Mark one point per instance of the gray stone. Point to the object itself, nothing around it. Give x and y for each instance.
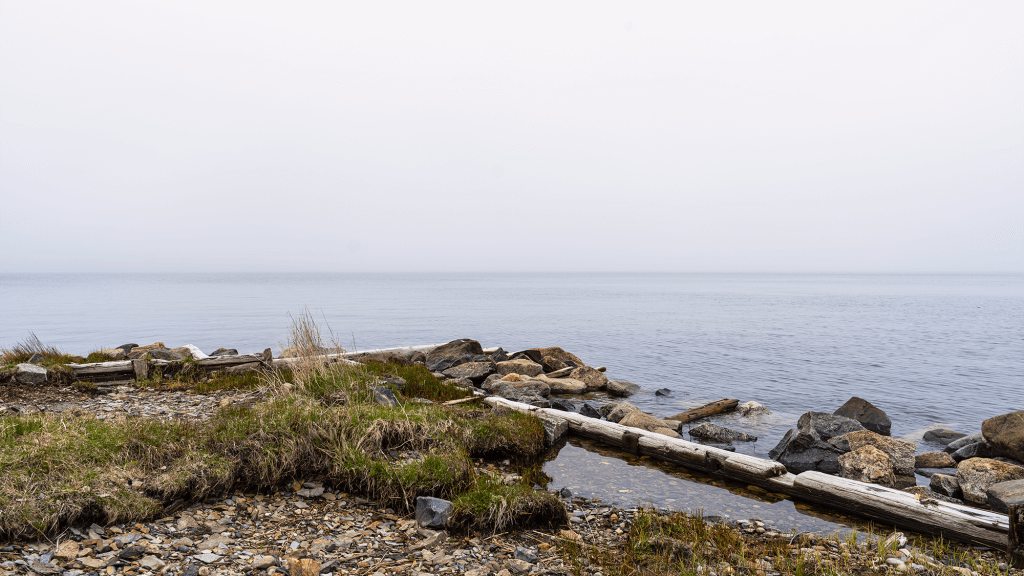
(715, 433)
(525, 555)
(621, 388)
(589, 411)
(591, 377)
(946, 484)
(554, 428)
(942, 436)
(808, 448)
(460, 382)
(454, 353)
(519, 390)
(30, 374)
(432, 512)
(965, 441)
(384, 396)
(395, 382)
(926, 493)
(620, 410)
(44, 569)
(975, 450)
(523, 367)
(35, 358)
(498, 355)
(224, 352)
(826, 425)
(475, 371)
(929, 472)
(867, 414)
(1005, 433)
(491, 384)
(934, 460)
(1005, 494)
(977, 475)
(207, 558)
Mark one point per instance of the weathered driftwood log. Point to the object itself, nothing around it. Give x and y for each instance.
(1015, 536)
(891, 506)
(709, 409)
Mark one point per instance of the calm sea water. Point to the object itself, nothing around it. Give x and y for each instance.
(929, 350)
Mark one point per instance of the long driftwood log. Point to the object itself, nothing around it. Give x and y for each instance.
(893, 507)
(709, 409)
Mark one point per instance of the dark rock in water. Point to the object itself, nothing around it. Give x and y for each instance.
(942, 436)
(224, 352)
(662, 392)
(1006, 434)
(946, 484)
(35, 359)
(384, 396)
(531, 355)
(977, 475)
(867, 414)
(127, 347)
(589, 411)
(934, 460)
(454, 353)
(965, 441)
(976, 450)
(807, 447)
(715, 433)
(621, 388)
(1005, 494)
(926, 493)
(563, 405)
(433, 512)
(826, 425)
(475, 371)
(499, 355)
(565, 493)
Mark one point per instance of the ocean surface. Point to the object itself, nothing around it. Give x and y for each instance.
(930, 350)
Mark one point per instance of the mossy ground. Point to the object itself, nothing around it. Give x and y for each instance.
(60, 470)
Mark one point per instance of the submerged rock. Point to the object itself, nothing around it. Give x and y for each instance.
(867, 414)
(621, 388)
(942, 436)
(716, 433)
(752, 408)
(977, 475)
(1006, 434)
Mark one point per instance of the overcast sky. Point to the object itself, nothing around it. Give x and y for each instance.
(577, 136)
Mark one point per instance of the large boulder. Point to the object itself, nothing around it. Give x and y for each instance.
(475, 371)
(867, 414)
(901, 453)
(808, 448)
(563, 385)
(621, 388)
(964, 441)
(519, 391)
(620, 410)
(454, 353)
(638, 419)
(591, 377)
(1005, 494)
(934, 460)
(867, 464)
(556, 353)
(715, 433)
(942, 436)
(520, 366)
(977, 475)
(1006, 434)
(26, 373)
(946, 485)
